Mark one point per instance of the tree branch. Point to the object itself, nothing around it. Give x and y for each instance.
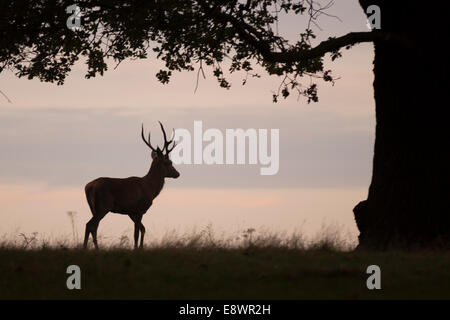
(251, 36)
(330, 45)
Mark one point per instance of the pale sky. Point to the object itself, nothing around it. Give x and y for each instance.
(55, 139)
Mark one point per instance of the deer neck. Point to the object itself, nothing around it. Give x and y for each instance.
(155, 178)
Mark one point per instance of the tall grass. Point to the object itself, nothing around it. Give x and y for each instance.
(328, 238)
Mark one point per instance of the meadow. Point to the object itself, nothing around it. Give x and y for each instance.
(200, 266)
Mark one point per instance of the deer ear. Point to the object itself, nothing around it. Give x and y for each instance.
(154, 154)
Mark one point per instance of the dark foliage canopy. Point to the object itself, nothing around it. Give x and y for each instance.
(186, 35)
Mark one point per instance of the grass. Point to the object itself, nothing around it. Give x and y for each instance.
(202, 267)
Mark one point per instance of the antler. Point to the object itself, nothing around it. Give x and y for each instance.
(147, 142)
(174, 144)
(167, 143)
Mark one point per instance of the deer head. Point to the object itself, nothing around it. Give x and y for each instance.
(161, 161)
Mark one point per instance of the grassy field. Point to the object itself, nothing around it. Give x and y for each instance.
(211, 272)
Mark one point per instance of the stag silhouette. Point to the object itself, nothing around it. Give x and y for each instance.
(132, 196)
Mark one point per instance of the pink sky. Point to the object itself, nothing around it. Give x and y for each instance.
(34, 208)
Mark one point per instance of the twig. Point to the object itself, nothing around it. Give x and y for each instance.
(5, 96)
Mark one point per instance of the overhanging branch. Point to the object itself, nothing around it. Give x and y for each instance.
(249, 34)
(330, 45)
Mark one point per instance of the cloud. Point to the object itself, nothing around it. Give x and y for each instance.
(71, 146)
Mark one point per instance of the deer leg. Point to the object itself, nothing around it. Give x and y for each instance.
(98, 212)
(138, 227)
(87, 232)
(136, 233)
(93, 227)
(94, 232)
(142, 234)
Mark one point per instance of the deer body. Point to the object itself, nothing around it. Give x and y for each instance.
(109, 192)
(131, 196)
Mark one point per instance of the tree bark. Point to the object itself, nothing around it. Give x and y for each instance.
(408, 202)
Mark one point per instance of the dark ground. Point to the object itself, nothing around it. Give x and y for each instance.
(217, 273)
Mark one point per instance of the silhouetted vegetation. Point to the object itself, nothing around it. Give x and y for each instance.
(195, 270)
(201, 265)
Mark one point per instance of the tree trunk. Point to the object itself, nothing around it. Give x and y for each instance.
(409, 197)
